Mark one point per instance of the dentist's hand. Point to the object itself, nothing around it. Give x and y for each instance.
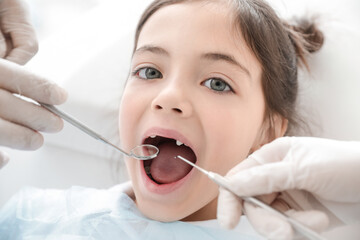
(20, 120)
(18, 41)
(328, 169)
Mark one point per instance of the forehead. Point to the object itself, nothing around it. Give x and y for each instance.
(190, 20)
(196, 27)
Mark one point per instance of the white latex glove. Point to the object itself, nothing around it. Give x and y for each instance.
(21, 120)
(326, 170)
(18, 41)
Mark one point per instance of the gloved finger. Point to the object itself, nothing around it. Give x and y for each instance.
(316, 220)
(16, 79)
(19, 137)
(267, 224)
(3, 45)
(4, 159)
(268, 198)
(260, 219)
(16, 24)
(272, 153)
(280, 205)
(229, 209)
(269, 153)
(24, 48)
(28, 114)
(264, 179)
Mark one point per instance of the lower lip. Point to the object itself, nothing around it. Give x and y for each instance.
(162, 188)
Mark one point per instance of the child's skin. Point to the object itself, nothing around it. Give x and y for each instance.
(189, 45)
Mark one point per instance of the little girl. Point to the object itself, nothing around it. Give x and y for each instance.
(211, 81)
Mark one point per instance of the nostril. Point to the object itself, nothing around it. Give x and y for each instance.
(158, 107)
(165, 108)
(178, 110)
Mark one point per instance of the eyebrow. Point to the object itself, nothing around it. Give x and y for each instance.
(153, 49)
(227, 58)
(214, 56)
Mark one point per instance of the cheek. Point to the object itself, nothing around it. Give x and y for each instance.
(231, 133)
(129, 112)
(128, 116)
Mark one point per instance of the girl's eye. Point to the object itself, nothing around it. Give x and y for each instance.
(217, 85)
(148, 73)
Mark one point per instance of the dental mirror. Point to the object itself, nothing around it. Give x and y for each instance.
(141, 152)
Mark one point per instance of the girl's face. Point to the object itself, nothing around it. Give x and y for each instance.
(193, 80)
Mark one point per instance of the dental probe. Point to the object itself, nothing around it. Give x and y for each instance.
(223, 182)
(141, 152)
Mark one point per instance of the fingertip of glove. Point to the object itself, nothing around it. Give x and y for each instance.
(33, 141)
(53, 125)
(229, 209)
(276, 229)
(227, 221)
(224, 223)
(53, 94)
(267, 224)
(60, 95)
(313, 219)
(48, 92)
(64, 94)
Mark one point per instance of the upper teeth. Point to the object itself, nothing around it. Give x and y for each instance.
(177, 141)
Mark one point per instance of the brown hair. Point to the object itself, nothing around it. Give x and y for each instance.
(279, 46)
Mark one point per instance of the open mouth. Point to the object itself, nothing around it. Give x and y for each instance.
(166, 168)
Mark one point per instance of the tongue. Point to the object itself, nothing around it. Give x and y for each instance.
(166, 168)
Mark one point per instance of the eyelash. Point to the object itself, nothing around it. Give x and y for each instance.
(230, 90)
(135, 73)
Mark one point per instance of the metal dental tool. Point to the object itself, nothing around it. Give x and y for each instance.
(141, 152)
(223, 182)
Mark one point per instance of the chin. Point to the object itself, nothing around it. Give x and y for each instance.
(162, 212)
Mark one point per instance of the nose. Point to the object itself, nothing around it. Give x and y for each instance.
(172, 99)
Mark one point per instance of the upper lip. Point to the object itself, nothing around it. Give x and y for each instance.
(168, 133)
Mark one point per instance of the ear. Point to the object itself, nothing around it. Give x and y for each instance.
(278, 126)
(273, 127)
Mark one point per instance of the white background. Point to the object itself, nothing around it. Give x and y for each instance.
(85, 46)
